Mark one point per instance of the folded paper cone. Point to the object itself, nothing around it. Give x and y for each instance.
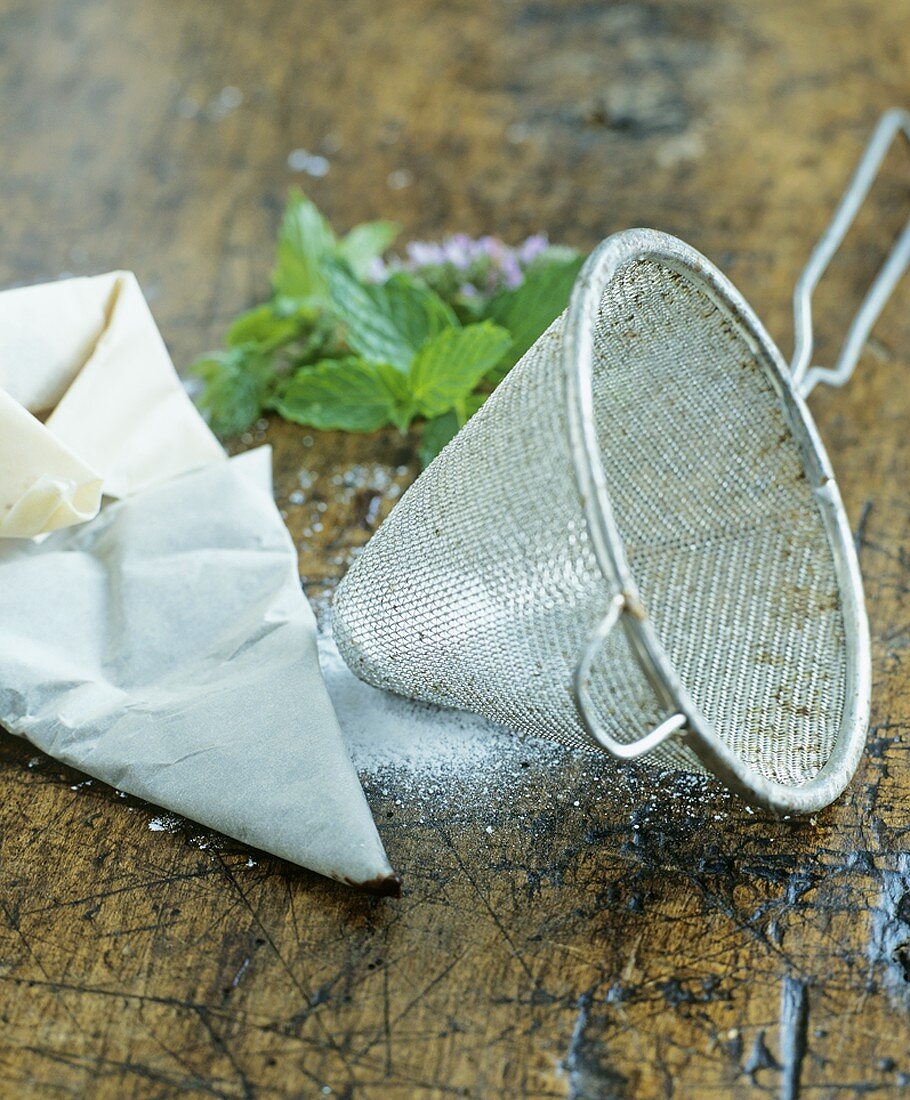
(165, 645)
(88, 352)
(166, 648)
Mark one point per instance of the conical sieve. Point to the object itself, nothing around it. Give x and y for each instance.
(638, 539)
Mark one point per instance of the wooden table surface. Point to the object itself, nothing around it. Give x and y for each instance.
(640, 944)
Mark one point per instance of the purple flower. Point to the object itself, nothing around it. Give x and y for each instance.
(378, 270)
(472, 267)
(532, 247)
(425, 254)
(493, 248)
(511, 272)
(459, 250)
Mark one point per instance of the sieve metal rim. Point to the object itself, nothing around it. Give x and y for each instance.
(686, 721)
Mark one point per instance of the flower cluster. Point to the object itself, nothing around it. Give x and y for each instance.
(466, 270)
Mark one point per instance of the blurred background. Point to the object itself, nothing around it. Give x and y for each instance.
(163, 137)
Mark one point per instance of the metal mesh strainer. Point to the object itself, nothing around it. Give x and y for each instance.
(649, 463)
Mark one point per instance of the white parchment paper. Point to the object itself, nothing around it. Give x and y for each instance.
(167, 649)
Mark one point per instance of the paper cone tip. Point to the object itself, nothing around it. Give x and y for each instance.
(382, 886)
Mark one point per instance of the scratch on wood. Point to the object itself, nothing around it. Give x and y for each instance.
(794, 1030)
(759, 1057)
(889, 938)
(572, 1060)
(859, 535)
(587, 1061)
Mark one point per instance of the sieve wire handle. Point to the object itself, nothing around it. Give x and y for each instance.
(805, 377)
(581, 686)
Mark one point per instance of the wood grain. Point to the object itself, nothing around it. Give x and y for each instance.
(644, 943)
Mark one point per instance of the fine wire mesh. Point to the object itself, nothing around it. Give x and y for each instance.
(481, 589)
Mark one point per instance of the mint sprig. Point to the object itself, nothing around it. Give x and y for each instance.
(347, 342)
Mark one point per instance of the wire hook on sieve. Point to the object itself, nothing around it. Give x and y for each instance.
(581, 687)
(806, 377)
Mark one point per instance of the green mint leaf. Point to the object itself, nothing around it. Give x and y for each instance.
(530, 309)
(366, 243)
(449, 366)
(389, 322)
(263, 326)
(233, 394)
(466, 408)
(305, 241)
(347, 394)
(437, 433)
(404, 408)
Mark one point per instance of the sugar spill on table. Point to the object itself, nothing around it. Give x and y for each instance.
(422, 746)
(409, 750)
(197, 836)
